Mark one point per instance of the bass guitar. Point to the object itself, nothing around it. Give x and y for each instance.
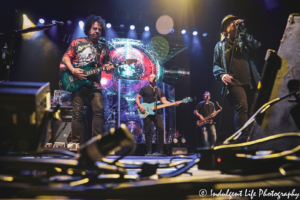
(71, 83)
(150, 107)
(208, 119)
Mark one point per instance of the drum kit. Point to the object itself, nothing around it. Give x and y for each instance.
(128, 115)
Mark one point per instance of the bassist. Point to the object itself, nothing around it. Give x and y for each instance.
(204, 109)
(81, 52)
(148, 93)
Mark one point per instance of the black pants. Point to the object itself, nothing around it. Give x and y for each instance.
(242, 97)
(160, 128)
(95, 96)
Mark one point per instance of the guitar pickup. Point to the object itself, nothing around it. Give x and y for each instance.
(145, 115)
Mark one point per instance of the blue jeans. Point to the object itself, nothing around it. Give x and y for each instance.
(209, 130)
(95, 96)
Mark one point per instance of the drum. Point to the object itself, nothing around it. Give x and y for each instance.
(135, 128)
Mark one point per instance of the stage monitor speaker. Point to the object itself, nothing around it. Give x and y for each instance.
(276, 82)
(64, 132)
(22, 109)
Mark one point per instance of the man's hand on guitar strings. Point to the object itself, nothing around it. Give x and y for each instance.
(79, 73)
(142, 109)
(109, 68)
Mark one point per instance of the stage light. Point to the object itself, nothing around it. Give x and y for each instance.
(132, 27)
(42, 21)
(183, 31)
(103, 81)
(108, 25)
(183, 140)
(175, 140)
(172, 30)
(204, 34)
(146, 28)
(69, 22)
(81, 24)
(53, 21)
(122, 25)
(195, 33)
(100, 146)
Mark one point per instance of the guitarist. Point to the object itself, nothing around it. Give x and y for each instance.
(81, 52)
(148, 93)
(204, 109)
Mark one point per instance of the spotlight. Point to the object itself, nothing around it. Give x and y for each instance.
(122, 25)
(108, 25)
(146, 28)
(103, 81)
(183, 31)
(183, 140)
(100, 146)
(132, 27)
(175, 140)
(81, 24)
(69, 22)
(172, 30)
(204, 34)
(195, 33)
(42, 21)
(53, 21)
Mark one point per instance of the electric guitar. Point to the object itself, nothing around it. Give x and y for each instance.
(71, 83)
(208, 119)
(150, 107)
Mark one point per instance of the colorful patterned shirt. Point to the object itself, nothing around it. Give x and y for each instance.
(82, 51)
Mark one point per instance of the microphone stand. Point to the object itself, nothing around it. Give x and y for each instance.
(228, 72)
(156, 114)
(8, 54)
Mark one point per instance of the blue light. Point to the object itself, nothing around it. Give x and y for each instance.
(195, 33)
(122, 25)
(183, 31)
(108, 25)
(204, 34)
(147, 28)
(172, 30)
(69, 22)
(53, 21)
(42, 21)
(132, 27)
(81, 24)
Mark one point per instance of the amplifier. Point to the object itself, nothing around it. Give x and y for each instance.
(22, 109)
(66, 113)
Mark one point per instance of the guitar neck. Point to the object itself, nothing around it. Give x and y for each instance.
(166, 105)
(100, 69)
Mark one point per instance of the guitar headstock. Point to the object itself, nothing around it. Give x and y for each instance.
(130, 61)
(187, 99)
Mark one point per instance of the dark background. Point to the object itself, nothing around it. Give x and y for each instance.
(38, 60)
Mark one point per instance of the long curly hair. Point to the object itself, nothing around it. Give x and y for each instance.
(90, 21)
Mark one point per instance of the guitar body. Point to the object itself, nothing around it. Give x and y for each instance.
(148, 109)
(72, 83)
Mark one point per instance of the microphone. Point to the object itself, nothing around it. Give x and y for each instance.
(59, 23)
(240, 22)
